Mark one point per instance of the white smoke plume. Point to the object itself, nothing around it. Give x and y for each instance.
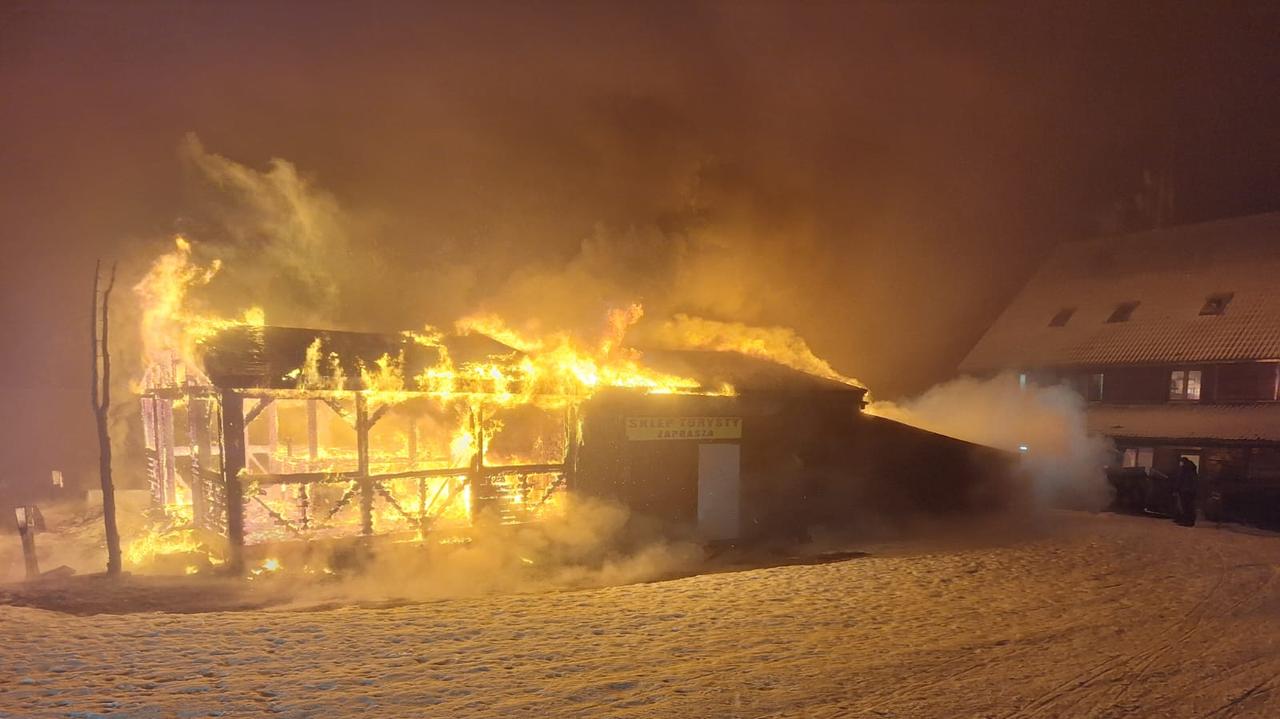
(1046, 425)
(590, 544)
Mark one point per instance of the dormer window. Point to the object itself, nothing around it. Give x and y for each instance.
(1184, 384)
(1063, 317)
(1123, 311)
(1216, 304)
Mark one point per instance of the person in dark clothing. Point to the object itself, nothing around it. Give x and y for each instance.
(1184, 493)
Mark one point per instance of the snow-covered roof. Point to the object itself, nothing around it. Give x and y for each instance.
(1188, 422)
(1171, 274)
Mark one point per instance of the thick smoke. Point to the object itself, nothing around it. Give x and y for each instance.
(284, 243)
(1046, 425)
(590, 544)
(289, 246)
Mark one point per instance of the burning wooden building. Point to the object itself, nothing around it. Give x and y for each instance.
(786, 451)
(277, 434)
(295, 434)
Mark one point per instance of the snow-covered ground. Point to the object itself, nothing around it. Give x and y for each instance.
(1095, 615)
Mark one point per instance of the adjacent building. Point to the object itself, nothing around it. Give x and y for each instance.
(1173, 338)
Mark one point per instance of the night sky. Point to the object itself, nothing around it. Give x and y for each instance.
(881, 177)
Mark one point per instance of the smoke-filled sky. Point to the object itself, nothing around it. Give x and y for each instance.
(881, 177)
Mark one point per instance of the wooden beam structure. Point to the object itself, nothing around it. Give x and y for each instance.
(313, 430)
(200, 456)
(252, 414)
(233, 491)
(233, 464)
(362, 465)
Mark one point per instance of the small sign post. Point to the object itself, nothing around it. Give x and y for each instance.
(27, 530)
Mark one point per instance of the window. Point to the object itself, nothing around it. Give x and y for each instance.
(1184, 384)
(1139, 457)
(1216, 304)
(1063, 317)
(1093, 391)
(1122, 311)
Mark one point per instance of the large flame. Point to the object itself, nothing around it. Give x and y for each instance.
(171, 330)
(542, 373)
(556, 365)
(776, 344)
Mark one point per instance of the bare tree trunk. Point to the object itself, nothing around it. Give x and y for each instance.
(101, 404)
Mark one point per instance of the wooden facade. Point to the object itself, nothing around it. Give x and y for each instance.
(806, 457)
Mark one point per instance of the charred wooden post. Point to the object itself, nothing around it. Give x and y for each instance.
(150, 431)
(362, 465)
(165, 417)
(233, 465)
(198, 434)
(572, 439)
(251, 458)
(304, 506)
(422, 502)
(482, 489)
(313, 430)
(273, 435)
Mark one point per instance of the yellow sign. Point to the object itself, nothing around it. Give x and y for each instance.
(649, 428)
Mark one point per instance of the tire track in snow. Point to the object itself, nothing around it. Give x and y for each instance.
(1099, 698)
(1084, 685)
(1233, 705)
(1192, 622)
(1257, 593)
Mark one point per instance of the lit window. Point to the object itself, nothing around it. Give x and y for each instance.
(1122, 311)
(1139, 457)
(1184, 384)
(1063, 317)
(1216, 304)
